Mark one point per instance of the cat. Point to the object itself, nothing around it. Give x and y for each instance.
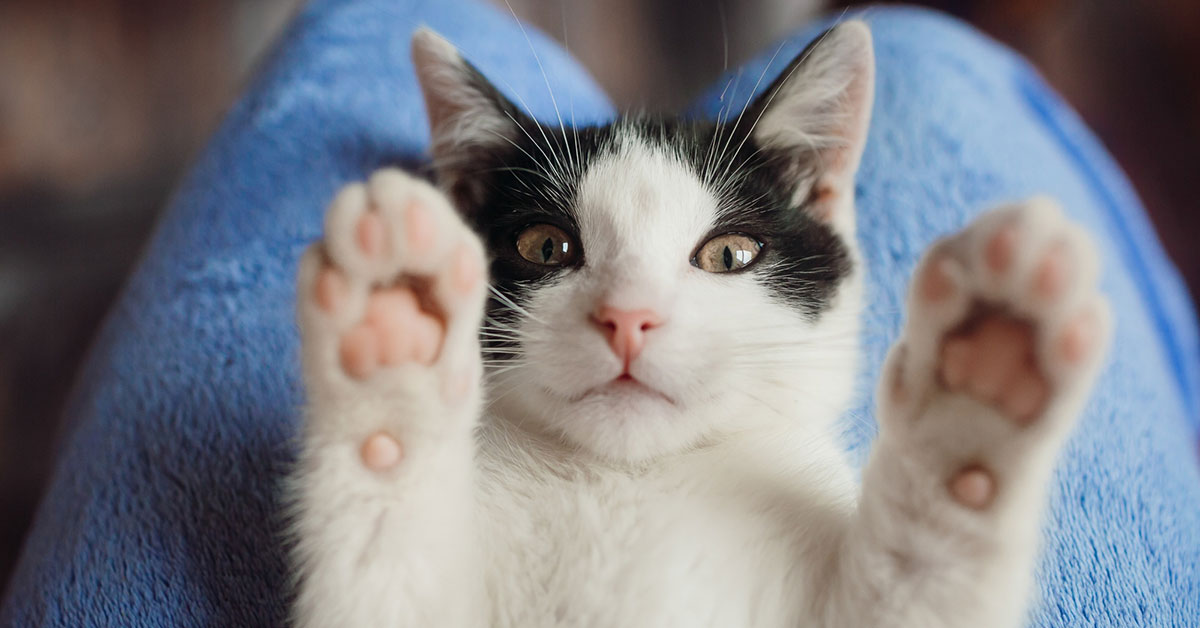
(593, 377)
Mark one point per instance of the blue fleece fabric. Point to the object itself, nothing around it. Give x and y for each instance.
(165, 510)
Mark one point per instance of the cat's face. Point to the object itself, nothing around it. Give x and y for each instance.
(659, 282)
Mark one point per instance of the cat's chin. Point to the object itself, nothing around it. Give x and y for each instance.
(623, 391)
(624, 420)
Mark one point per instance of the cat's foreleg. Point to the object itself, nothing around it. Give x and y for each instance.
(1004, 336)
(390, 304)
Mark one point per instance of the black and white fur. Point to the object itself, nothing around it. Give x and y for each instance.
(533, 492)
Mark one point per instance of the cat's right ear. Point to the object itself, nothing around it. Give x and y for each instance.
(470, 121)
(816, 114)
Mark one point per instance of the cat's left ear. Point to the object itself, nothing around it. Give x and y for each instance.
(472, 125)
(816, 115)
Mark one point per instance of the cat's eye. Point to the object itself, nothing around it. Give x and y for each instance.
(727, 252)
(547, 245)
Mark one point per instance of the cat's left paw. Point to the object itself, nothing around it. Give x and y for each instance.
(1005, 333)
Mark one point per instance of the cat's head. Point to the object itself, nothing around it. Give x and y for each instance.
(662, 282)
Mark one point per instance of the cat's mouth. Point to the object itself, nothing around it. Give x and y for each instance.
(624, 386)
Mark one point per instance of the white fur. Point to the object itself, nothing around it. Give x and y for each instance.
(726, 345)
(730, 505)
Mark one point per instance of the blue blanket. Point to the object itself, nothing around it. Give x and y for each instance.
(164, 508)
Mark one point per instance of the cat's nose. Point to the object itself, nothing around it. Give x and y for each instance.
(625, 329)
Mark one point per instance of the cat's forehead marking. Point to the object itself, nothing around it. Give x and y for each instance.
(642, 191)
(645, 193)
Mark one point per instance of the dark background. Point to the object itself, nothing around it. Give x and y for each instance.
(103, 103)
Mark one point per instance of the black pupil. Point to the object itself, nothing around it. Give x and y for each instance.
(547, 249)
(727, 257)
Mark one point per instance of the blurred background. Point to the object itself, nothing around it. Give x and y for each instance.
(103, 104)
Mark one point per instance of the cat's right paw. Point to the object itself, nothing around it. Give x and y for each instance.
(390, 304)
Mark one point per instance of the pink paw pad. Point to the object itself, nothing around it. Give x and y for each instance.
(956, 362)
(1002, 347)
(1001, 249)
(371, 234)
(973, 487)
(1025, 397)
(360, 351)
(381, 452)
(428, 332)
(405, 332)
(390, 311)
(935, 283)
(1050, 277)
(995, 363)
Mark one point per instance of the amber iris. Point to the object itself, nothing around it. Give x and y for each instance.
(546, 245)
(727, 252)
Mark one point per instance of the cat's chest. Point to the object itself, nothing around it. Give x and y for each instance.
(617, 550)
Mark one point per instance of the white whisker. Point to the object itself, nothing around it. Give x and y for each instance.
(545, 78)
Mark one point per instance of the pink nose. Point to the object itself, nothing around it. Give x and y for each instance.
(625, 329)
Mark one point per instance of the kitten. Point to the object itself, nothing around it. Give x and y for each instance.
(636, 425)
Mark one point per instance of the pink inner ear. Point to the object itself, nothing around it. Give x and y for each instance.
(823, 192)
(820, 201)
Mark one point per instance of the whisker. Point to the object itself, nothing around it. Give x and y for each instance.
(499, 336)
(771, 96)
(508, 302)
(545, 158)
(746, 105)
(546, 80)
(493, 397)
